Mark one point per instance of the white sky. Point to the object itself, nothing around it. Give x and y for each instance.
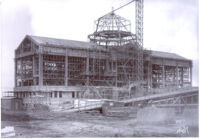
(169, 25)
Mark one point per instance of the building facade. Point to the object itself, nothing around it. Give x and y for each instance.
(49, 65)
(113, 64)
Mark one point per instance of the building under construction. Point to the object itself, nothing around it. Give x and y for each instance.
(112, 65)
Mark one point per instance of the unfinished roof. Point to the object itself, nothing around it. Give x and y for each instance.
(60, 42)
(45, 41)
(160, 54)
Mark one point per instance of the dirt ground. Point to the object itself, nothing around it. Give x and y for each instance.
(95, 125)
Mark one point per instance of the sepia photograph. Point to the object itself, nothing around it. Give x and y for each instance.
(99, 68)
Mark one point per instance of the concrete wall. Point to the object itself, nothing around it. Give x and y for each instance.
(48, 98)
(11, 103)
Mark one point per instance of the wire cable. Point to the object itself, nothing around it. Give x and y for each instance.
(118, 8)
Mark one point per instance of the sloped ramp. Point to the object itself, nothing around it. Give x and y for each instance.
(173, 93)
(83, 104)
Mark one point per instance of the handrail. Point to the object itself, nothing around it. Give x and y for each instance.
(171, 90)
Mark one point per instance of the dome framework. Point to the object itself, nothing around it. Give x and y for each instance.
(112, 30)
(123, 48)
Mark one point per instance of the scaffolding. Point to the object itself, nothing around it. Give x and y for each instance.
(124, 50)
(24, 71)
(118, 60)
(165, 76)
(53, 70)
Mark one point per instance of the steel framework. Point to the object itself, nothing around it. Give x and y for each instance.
(125, 49)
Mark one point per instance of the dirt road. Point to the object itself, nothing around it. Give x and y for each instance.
(94, 125)
(150, 122)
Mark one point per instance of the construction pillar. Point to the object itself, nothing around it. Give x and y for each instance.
(192, 99)
(116, 74)
(66, 69)
(149, 75)
(177, 75)
(33, 65)
(40, 69)
(182, 76)
(107, 68)
(34, 70)
(191, 74)
(87, 70)
(163, 75)
(15, 60)
(93, 65)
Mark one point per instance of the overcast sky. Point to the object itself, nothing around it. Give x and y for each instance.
(169, 25)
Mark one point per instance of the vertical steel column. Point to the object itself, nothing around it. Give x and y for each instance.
(177, 75)
(107, 66)
(182, 76)
(87, 70)
(33, 65)
(149, 75)
(34, 70)
(192, 99)
(191, 74)
(116, 65)
(40, 69)
(15, 60)
(66, 68)
(163, 74)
